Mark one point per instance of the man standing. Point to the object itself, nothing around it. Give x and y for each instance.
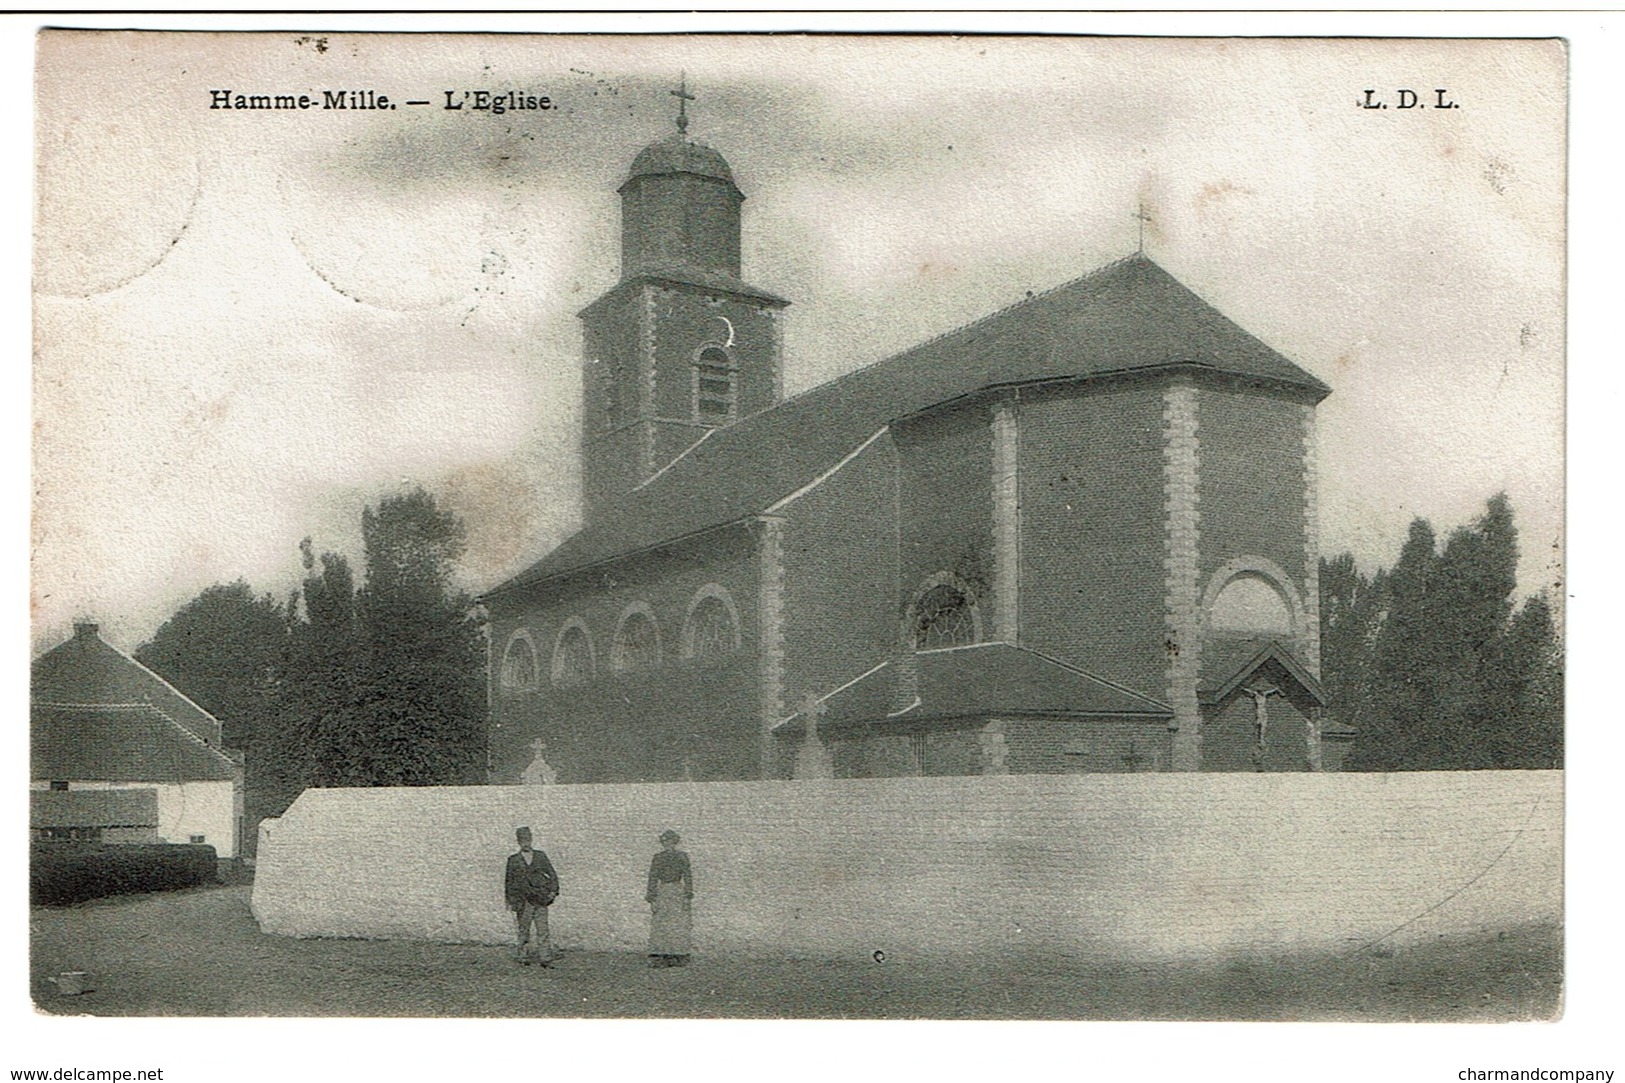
(531, 885)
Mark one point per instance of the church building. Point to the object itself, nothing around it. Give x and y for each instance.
(1075, 535)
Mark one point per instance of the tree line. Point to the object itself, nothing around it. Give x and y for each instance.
(339, 684)
(1430, 662)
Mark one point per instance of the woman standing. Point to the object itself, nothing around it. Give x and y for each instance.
(670, 894)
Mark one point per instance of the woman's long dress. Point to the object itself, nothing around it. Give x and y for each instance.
(670, 886)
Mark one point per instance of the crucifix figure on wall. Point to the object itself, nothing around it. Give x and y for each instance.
(1261, 718)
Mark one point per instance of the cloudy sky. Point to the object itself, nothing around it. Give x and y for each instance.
(251, 324)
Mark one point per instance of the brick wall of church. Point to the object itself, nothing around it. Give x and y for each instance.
(682, 719)
(1025, 746)
(685, 322)
(1068, 746)
(614, 450)
(1251, 481)
(1091, 480)
(1230, 735)
(840, 575)
(945, 504)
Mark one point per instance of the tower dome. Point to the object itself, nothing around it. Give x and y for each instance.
(676, 154)
(680, 211)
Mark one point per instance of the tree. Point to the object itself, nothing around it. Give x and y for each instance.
(324, 683)
(1401, 681)
(413, 710)
(1351, 608)
(1469, 602)
(224, 650)
(1457, 682)
(1526, 692)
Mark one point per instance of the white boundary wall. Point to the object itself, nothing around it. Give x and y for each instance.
(1149, 865)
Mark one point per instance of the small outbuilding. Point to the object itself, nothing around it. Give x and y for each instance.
(118, 754)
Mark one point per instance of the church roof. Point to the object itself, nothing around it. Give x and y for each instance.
(983, 679)
(1130, 316)
(675, 154)
(88, 671)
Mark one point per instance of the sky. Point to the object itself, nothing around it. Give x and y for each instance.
(250, 325)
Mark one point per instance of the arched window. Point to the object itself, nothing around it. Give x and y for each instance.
(572, 654)
(712, 629)
(944, 616)
(637, 642)
(1250, 605)
(715, 385)
(519, 663)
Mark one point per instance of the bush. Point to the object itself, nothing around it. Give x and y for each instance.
(63, 873)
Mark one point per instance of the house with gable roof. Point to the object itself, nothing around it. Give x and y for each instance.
(118, 754)
(1077, 534)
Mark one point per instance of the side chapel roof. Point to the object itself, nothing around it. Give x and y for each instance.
(980, 679)
(1128, 316)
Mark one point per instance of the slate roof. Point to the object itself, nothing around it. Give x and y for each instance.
(93, 808)
(88, 670)
(134, 742)
(1127, 317)
(676, 154)
(987, 678)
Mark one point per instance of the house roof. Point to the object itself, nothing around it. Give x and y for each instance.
(1226, 666)
(93, 808)
(129, 742)
(1130, 316)
(89, 670)
(983, 679)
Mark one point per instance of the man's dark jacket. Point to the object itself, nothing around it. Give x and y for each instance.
(535, 883)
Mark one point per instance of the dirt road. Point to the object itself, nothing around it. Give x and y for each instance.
(199, 952)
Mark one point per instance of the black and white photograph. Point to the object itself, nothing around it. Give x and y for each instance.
(799, 526)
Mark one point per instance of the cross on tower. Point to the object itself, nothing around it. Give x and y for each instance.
(1143, 219)
(683, 98)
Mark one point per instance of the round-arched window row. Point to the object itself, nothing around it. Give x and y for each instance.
(637, 641)
(711, 631)
(573, 661)
(519, 663)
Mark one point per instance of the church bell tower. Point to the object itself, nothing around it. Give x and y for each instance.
(681, 346)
